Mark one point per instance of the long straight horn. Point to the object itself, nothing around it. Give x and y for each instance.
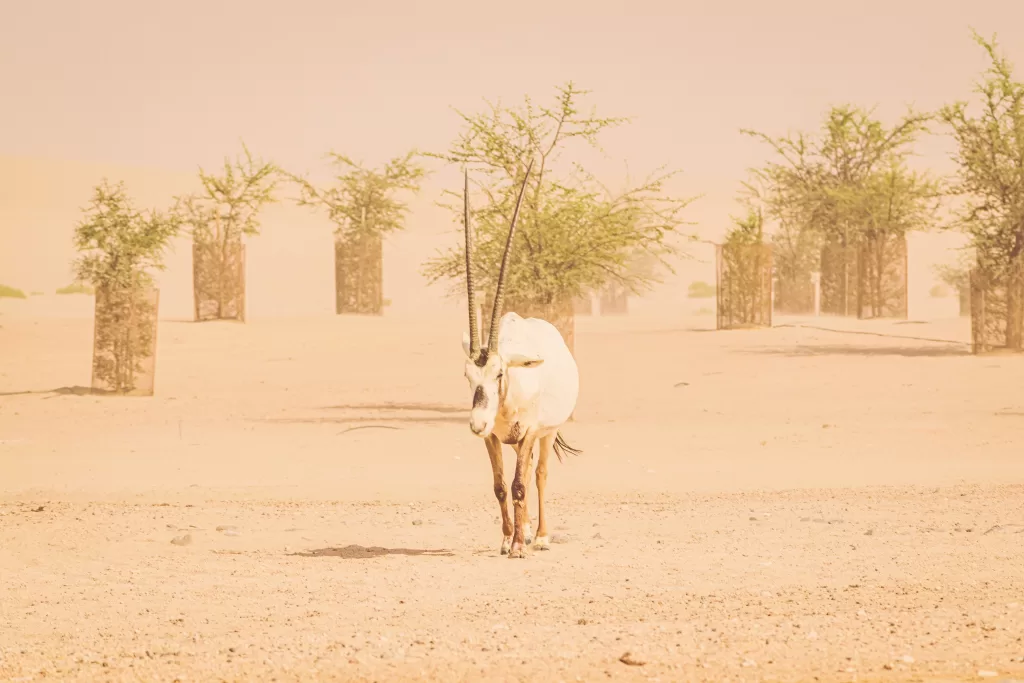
(499, 292)
(474, 329)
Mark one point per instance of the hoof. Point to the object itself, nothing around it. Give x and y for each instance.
(506, 544)
(517, 552)
(542, 543)
(528, 534)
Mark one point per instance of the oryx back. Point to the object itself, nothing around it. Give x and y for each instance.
(551, 388)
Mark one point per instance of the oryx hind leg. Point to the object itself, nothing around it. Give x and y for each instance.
(542, 540)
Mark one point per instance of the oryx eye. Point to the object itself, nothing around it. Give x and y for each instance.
(500, 375)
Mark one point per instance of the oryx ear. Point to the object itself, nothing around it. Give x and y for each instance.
(520, 360)
(465, 343)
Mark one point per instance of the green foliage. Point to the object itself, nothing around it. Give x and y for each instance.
(990, 162)
(76, 288)
(938, 292)
(957, 274)
(230, 204)
(11, 293)
(850, 179)
(747, 230)
(119, 244)
(125, 338)
(573, 235)
(744, 272)
(700, 290)
(363, 201)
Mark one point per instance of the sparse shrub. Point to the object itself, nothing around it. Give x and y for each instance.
(938, 292)
(227, 209)
(700, 290)
(77, 288)
(990, 186)
(364, 206)
(11, 293)
(118, 246)
(574, 235)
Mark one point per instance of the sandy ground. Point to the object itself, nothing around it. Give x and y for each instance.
(790, 504)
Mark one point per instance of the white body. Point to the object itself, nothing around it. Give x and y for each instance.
(541, 397)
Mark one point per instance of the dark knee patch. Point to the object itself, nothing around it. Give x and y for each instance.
(499, 493)
(518, 491)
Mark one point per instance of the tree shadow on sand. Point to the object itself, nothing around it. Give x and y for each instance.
(441, 414)
(59, 391)
(402, 407)
(359, 552)
(809, 350)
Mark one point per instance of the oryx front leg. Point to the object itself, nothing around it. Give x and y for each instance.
(500, 492)
(524, 456)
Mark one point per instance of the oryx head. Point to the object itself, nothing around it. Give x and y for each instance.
(486, 367)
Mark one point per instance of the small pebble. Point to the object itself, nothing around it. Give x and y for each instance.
(560, 538)
(182, 540)
(231, 532)
(417, 522)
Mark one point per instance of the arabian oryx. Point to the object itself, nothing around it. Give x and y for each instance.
(524, 385)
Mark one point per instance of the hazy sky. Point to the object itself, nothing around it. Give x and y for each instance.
(175, 84)
(170, 85)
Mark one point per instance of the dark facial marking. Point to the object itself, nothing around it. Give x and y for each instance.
(518, 490)
(481, 360)
(479, 398)
(499, 493)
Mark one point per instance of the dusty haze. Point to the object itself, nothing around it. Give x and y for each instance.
(301, 499)
(146, 94)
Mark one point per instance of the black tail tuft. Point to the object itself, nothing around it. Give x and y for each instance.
(561, 448)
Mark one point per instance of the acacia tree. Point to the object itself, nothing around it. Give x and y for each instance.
(573, 235)
(217, 218)
(796, 245)
(744, 272)
(990, 181)
(364, 207)
(850, 187)
(119, 246)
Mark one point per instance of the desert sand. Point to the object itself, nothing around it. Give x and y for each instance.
(302, 500)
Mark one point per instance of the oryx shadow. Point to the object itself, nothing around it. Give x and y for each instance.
(359, 552)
